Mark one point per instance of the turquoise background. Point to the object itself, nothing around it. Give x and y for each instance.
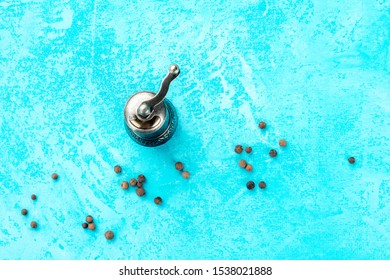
(318, 72)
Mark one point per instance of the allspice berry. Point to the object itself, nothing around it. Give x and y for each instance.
(185, 174)
(238, 149)
(248, 150)
(140, 191)
(84, 225)
(92, 226)
(24, 212)
(249, 167)
(89, 219)
(141, 178)
(109, 235)
(54, 176)
(351, 160)
(125, 185)
(242, 163)
(179, 166)
(273, 153)
(117, 169)
(33, 197)
(282, 143)
(262, 125)
(158, 200)
(133, 182)
(250, 185)
(139, 184)
(34, 224)
(262, 185)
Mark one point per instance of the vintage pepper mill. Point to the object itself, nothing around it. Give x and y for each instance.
(151, 120)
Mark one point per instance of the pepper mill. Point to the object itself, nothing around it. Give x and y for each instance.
(151, 120)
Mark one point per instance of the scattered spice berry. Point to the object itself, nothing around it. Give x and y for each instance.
(185, 174)
(248, 150)
(179, 166)
(89, 219)
(24, 212)
(249, 167)
(262, 185)
(351, 160)
(273, 153)
(133, 182)
(238, 149)
(140, 191)
(92, 226)
(262, 125)
(139, 184)
(54, 176)
(84, 225)
(242, 163)
(141, 178)
(34, 224)
(33, 197)
(158, 200)
(109, 235)
(250, 185)
(282, 143)
(125, 185)
(117, 169)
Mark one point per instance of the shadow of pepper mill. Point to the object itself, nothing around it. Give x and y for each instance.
(150, 119)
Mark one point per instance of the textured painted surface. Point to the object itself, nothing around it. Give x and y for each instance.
(318, 72)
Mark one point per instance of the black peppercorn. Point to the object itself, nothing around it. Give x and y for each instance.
(33, 197)
(24, 212)
(262, 125)
(351, 160)
(248, 150)
(34, 224)
(139, 184)
(238, 149)
(141, 178)
(158, 200)
(273, 153)
(117, 169)
(250, 185)
(84, 225)
(179, 166)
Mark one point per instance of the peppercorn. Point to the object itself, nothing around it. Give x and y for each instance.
(92, 226)
(351, 160)
(158, 200)
(262, 185)
(141, 178)
(250, 185)
(125, 185)
(133, 182)
(33, 197)
(273, 153)
(282, 143)
(109, 235)
(179, 166)
(242, 163)
(34, 224)
(249, 167)
(139, 184)
(185, 174)
(117, 169)
(262, 125)
(24, 212)
(238, 149)
(54, 176)
(84, 225)
(248, 150)
(140, 191)
(89, 219)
